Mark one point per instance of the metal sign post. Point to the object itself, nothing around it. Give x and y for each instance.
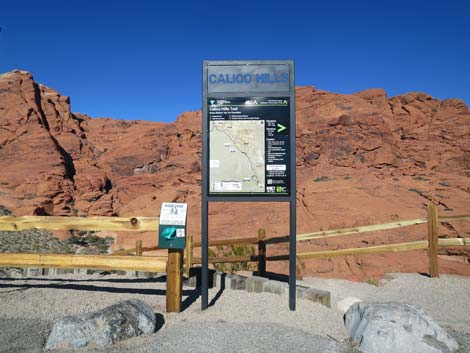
(248, 150)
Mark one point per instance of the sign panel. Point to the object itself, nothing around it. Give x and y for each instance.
(172, 230)
(173, 213)
(249, 150)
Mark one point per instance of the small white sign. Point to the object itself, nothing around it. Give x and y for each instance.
(173, 213)
(276, 167)
(227, 186)
(180, 233)
(214, 163)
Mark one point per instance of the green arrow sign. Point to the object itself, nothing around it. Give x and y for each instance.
(281, 127)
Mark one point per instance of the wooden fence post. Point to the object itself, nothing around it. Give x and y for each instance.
(433, 236)
(261, 252)
(138, 247)
(189, 254)
(174, 280)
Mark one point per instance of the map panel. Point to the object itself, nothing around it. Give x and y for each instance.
(249, 146)
(237, 161)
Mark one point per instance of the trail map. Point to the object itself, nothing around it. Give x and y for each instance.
(237, 156)
(249, 146)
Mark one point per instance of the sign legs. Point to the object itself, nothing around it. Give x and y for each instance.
(292, 253)
(205, 255)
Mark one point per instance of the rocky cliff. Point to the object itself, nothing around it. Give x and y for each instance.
(362, 158)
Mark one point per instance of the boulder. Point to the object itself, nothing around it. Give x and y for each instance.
(396, 327)
(117, 322)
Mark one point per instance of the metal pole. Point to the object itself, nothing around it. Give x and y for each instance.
(205, 201)
(292, 255)
(293, 197)
(205, 257)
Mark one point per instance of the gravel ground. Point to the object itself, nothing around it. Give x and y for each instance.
(444, 298)
(237, 322)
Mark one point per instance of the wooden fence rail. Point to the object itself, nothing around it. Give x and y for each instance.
(95, 262)
(131, 224)
(362, 229)
(224, 242)
(135, 250)
(415, 245)
(227, 259)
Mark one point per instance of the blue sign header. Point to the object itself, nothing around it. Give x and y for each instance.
(248, 78)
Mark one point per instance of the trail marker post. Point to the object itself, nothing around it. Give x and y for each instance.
(248, 150)
(172, 236)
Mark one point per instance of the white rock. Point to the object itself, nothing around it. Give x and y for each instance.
(396, 327)
(116, 322)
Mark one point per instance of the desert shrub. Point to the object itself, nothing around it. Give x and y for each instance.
(88, 239)
(321, 179)
(233, 250)
(416, 190)
(5, 211)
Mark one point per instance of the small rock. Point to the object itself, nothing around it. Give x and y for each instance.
(116, 322)
(396, 327)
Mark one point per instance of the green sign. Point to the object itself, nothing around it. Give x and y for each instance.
(172, 229)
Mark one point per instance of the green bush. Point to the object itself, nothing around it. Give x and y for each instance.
(233, 250)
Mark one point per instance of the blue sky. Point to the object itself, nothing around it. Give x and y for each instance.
(142, 59)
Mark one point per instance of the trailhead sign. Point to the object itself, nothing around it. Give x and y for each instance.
(249, 146)
(248, 143)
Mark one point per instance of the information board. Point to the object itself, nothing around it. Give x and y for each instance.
(249, 145)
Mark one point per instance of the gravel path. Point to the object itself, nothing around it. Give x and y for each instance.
(237, 322)
(444, 298)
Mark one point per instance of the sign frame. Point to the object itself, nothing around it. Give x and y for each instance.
(207, 197)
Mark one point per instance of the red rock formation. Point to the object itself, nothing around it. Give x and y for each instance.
(362, 158)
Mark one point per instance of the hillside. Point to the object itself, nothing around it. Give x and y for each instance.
(362, 158)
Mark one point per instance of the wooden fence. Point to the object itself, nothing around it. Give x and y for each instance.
(432, 244)
(119, 260)
(172, 264)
